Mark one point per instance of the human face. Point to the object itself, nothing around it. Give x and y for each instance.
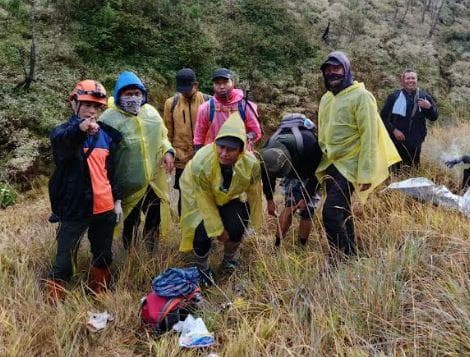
(336, 70)
(222, 87)
(129, 92)
(189, 94)
(88, 110)
(227, 155)
(409, 81)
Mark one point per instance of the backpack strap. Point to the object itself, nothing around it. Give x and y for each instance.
(175, 102)
(241, 109)
(298, 138)
(211, 110)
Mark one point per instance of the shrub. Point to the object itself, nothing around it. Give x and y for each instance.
(7, 195)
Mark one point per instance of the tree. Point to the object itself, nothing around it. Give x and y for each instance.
(29, 75)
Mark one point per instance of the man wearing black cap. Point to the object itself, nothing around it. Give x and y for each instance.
(215, 112)
(180, 118)
(294, 158)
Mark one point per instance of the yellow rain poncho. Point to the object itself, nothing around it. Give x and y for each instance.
(353, 137)
(201, 181)
(139, 155)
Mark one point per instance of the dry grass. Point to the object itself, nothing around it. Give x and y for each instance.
(407, 293)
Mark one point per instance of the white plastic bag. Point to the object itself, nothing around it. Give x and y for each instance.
(425, 190)
(194, 333)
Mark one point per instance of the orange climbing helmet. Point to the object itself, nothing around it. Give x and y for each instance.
(90, 91)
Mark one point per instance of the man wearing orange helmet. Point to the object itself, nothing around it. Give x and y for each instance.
(82, 192)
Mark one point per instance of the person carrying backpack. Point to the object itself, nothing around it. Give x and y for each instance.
(213, 186)
(139, 159)
(293, 154)
(226, 100)
(82, 190)
(180, 119)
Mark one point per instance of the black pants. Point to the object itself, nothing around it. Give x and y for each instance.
(100, 234)
(466, 179)
(235, 215)
(337, 217)
(410, 155)
(178, 173)
(150, 206)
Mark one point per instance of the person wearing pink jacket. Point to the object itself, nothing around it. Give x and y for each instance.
(213, 113)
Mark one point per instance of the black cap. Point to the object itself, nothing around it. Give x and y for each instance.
(185, 79)
(330, 60)
(230, 141)
(222, 73)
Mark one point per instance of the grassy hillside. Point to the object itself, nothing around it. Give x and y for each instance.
(274, 46)
(406, 294)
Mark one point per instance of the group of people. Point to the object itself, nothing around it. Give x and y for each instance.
(114, 155)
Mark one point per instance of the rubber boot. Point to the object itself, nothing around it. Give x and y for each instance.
(55, 291)
(202, 263)
(99, 280)
(229, 263)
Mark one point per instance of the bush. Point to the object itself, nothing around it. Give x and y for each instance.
(7, 195)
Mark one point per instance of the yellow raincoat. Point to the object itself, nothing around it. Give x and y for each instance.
(201, 181)
(138, 157)
(353, 137)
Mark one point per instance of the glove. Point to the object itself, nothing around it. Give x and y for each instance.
(118, 210)
(453, 162)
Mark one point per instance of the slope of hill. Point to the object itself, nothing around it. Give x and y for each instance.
(275, 47)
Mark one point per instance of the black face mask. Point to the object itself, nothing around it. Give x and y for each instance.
(333, 77)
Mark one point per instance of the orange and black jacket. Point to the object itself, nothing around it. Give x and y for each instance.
(82, 184)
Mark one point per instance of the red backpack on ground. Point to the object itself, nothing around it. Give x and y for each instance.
(159, 313)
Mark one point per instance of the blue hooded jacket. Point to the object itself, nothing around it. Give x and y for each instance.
(127, 79)
(344, 61)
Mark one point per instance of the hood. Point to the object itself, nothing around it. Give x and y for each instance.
(235, 96)
(344, 60)
(233, 126)
(125, 79)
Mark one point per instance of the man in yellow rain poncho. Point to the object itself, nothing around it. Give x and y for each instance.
(138, 159)
(213, 189)
(357, 150)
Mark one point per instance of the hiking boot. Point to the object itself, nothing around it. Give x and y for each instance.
(55, 291)
(207, 278)
(228, 266)
(277, 242)
(99, 280)
(303, 241)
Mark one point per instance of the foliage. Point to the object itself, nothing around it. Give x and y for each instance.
(7, 195)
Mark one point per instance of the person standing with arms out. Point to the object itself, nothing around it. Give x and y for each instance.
(404, 114)
(139, 159)
(357, 150)
(180, 119)
(82, 190)
(226, 100)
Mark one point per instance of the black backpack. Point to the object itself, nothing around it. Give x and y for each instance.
(294, 123)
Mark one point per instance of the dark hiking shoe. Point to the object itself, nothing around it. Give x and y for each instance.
(303, 241)
(277, 242)
(228, 266)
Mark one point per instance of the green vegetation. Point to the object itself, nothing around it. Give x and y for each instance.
(7, 195)
(275, 47)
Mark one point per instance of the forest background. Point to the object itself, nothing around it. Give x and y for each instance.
(407, 293)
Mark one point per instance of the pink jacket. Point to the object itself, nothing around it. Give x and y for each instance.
(205, 132)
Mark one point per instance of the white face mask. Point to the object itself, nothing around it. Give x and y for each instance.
(131, 104)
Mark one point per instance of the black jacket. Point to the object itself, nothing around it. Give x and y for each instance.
(305, 163)
(414, 128)
(70, 189)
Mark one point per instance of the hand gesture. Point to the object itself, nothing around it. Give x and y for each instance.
(423, 103)
(169, 162)
(118, 210)
(89, 126)
(453, 162)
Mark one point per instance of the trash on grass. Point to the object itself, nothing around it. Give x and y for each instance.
(425, 190)
(98, 320)
(194, 333)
